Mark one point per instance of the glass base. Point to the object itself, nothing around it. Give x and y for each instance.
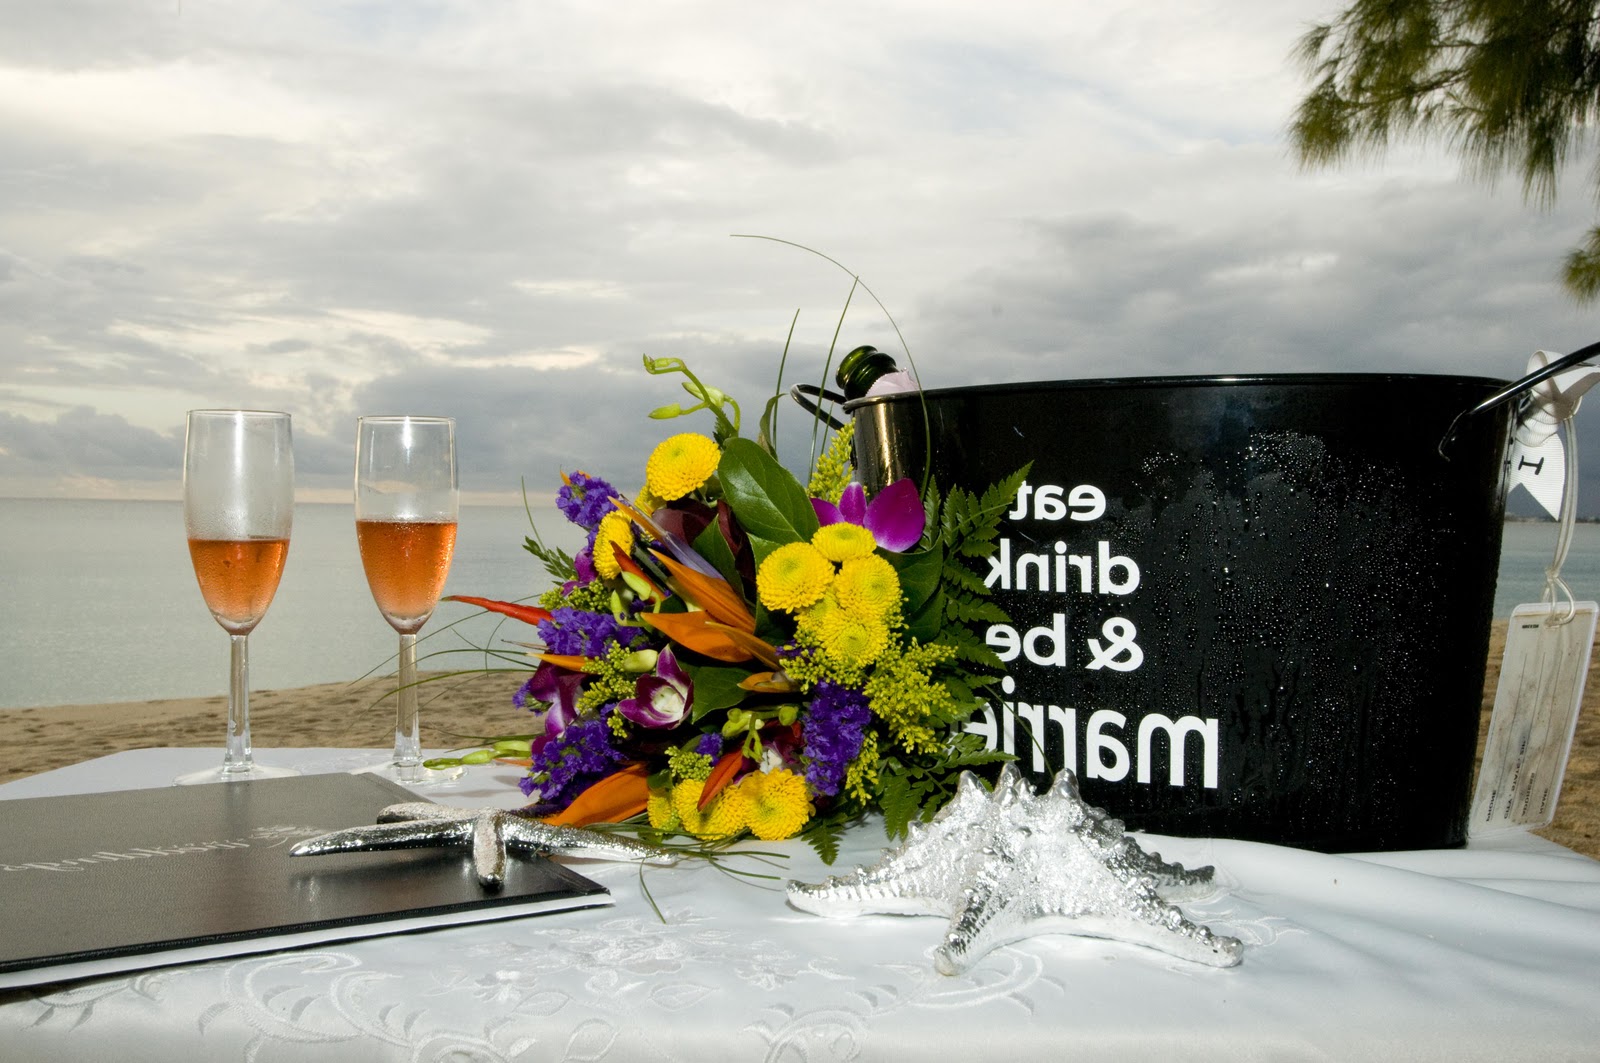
(255, 771)
(415, 776)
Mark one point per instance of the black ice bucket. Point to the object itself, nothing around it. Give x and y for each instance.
(1246, 607)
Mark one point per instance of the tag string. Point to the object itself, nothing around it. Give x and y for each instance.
(1569, 513)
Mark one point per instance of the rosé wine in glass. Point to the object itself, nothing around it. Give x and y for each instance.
(238, 578)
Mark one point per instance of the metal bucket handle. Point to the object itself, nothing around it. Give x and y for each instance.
(1519, 387)
(803, 393)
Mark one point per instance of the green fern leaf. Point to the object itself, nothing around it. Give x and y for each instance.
(897, 802)
(822, 833)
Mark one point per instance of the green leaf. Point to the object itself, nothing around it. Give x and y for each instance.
(767, 499)
(710, 545)
(919, 574)
(715, 688)
(760, 547)
(925, 624)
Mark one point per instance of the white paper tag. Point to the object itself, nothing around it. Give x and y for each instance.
(1542, 470)
(1535, 712)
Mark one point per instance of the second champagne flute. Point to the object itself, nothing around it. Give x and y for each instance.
(407, 501)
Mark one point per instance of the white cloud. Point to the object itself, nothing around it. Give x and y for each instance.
(497, 208)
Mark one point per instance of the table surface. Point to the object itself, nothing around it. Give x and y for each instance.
(1489, 952)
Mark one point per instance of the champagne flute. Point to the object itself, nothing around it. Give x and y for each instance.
(406, 507)
(238, 508)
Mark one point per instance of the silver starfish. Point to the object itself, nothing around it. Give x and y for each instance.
(490, 832)
(1008, 864)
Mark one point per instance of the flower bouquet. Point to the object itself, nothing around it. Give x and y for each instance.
(734, 654)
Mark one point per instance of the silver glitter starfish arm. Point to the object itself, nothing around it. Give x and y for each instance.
(1012, 895)
(489, 833)
(920, 876)
(1008, 864)
(1171, 879)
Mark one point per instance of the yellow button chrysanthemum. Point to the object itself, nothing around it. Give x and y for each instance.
(659, 807)
(647, 503)
(686, 803)
(792, 577)
(853, 641)
(614, 529)
(842, 541)
(728, 814)
(868, 586)
(779, 804)
(811, 620)
(680, 464)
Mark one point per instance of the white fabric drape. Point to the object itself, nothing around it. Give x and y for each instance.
(1486, 953)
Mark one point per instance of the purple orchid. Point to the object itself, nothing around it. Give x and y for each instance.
(894, 517)
(560, 689)
(661, 699)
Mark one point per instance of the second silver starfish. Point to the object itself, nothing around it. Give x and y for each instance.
(490, 833)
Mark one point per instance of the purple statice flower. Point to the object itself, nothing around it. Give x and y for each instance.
(833, 728)
(580, 633)
(710, 745)
(585, 499)
(581, 754)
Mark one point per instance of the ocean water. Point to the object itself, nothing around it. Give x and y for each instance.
(100, 602)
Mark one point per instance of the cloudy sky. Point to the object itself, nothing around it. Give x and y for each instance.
(491, 209)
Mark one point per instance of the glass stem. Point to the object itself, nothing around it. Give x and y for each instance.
(407, 739)
(237, 760)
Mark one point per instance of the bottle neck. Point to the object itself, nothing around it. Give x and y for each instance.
(860, 368)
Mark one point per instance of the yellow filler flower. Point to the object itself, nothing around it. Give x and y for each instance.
(792, 577)
(681, 464)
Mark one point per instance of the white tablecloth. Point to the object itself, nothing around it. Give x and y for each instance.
(1486, 953)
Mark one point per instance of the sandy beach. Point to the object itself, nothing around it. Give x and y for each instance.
(456, 709)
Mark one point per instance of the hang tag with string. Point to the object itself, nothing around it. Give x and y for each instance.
(1548, 643)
